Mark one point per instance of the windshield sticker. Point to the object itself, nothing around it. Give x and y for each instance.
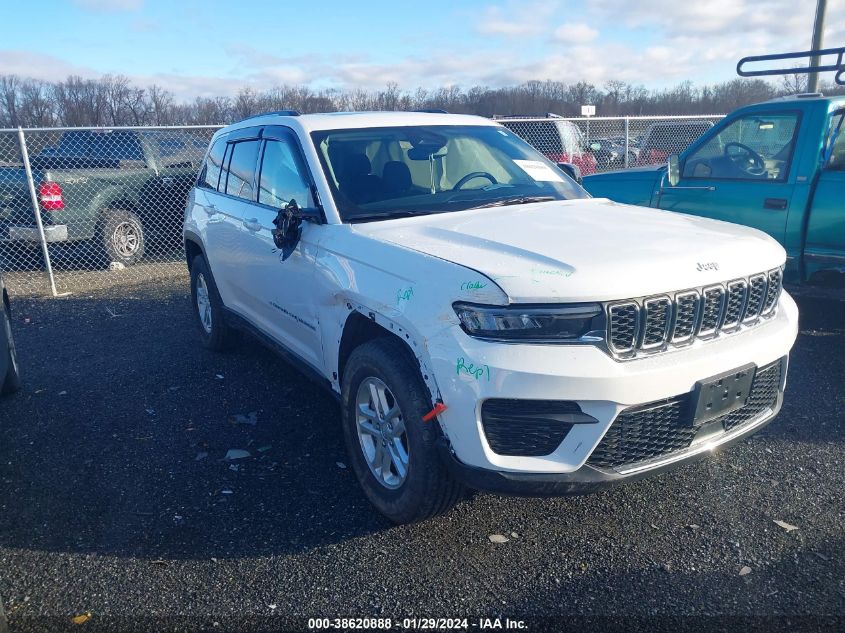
(473, 285)
(539, 170)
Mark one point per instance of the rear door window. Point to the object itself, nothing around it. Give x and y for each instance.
(242, 169)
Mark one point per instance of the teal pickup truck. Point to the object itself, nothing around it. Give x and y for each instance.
(777, 166)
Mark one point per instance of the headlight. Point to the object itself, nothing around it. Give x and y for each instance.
(540, 324)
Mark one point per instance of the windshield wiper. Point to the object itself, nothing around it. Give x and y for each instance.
(503, 202)
(369, 217)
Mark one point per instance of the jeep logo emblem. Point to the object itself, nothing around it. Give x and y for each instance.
(707, 266)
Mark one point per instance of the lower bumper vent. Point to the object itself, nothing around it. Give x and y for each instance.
(660, 428)
(529, 428)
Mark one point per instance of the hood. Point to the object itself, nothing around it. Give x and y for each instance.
(585, 250)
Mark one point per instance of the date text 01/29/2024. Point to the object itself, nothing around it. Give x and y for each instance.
(416, 624)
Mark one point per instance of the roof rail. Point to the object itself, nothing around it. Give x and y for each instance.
(274, 113)
(431, 110)
(813, 55)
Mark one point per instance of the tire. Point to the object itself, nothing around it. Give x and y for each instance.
(12, 381)
(122, 237)
(215, 333)
(427, 488)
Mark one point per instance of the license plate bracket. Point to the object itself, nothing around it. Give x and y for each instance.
(719, 395)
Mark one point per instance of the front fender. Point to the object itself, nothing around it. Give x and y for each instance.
(407, 293)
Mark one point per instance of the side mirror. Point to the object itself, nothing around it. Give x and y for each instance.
(288, 224)
(573, 171)
(674, 170)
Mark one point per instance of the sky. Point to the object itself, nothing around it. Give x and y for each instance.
(215, 47)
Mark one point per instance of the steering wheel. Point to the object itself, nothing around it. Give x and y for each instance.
(751, 162)
(470, 176)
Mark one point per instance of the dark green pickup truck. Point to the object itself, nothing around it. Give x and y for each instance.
(120, 191)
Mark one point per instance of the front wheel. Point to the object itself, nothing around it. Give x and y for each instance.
(12, 381)
(392, 451)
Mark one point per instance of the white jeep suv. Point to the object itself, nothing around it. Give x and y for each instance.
(483, 321)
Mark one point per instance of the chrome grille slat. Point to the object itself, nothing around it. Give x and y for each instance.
(756, 296)
(686, 316)
(656, 322)
(772, 291)
(737, 291)
(713, 305)
(623, 326)
(652, 324)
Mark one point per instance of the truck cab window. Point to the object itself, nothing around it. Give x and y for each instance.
(753, 147)
(836, 142)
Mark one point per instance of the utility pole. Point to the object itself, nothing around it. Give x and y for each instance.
(818, 33)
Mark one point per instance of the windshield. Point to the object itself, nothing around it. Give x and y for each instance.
(377, 173)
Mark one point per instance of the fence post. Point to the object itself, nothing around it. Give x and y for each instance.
(627, 140)
(37, 210)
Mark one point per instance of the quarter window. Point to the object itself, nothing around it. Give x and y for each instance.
(281, 177)
(242, 169)
(754, 147)
(214, 163)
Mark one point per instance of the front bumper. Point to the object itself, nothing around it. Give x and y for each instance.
(589, 479)
(602, 387)
(52, 233)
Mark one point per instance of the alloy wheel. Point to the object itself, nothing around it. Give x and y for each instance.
(382, 433)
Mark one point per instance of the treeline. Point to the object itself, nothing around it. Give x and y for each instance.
(114, 100)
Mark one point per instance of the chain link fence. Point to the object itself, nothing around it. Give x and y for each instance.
(598, 144)
(86, 208)
(83, 208)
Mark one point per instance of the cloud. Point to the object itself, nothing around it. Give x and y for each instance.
(662, 44)
(516, 19)
(41, 66)
(109, 5)
(575, 33)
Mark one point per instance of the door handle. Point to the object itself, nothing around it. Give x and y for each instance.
(776, 204)
(252, 224)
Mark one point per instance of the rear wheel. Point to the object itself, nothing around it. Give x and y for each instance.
(122, 237)
(215, 333)
(392, 451)
(12, 381)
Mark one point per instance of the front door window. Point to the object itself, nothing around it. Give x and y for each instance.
(754, 147)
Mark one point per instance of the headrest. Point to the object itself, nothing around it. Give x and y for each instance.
(397, 176)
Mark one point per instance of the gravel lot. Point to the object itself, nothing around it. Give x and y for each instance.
(116, 500)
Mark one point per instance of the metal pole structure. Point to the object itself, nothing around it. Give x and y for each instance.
(818, 34)
(627, 140)
(37, 209)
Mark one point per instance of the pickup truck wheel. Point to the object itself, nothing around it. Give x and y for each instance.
(123, 237)
(12, 381)
(215, 334)
(392, 451)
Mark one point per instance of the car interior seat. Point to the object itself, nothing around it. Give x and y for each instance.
(396, 179)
